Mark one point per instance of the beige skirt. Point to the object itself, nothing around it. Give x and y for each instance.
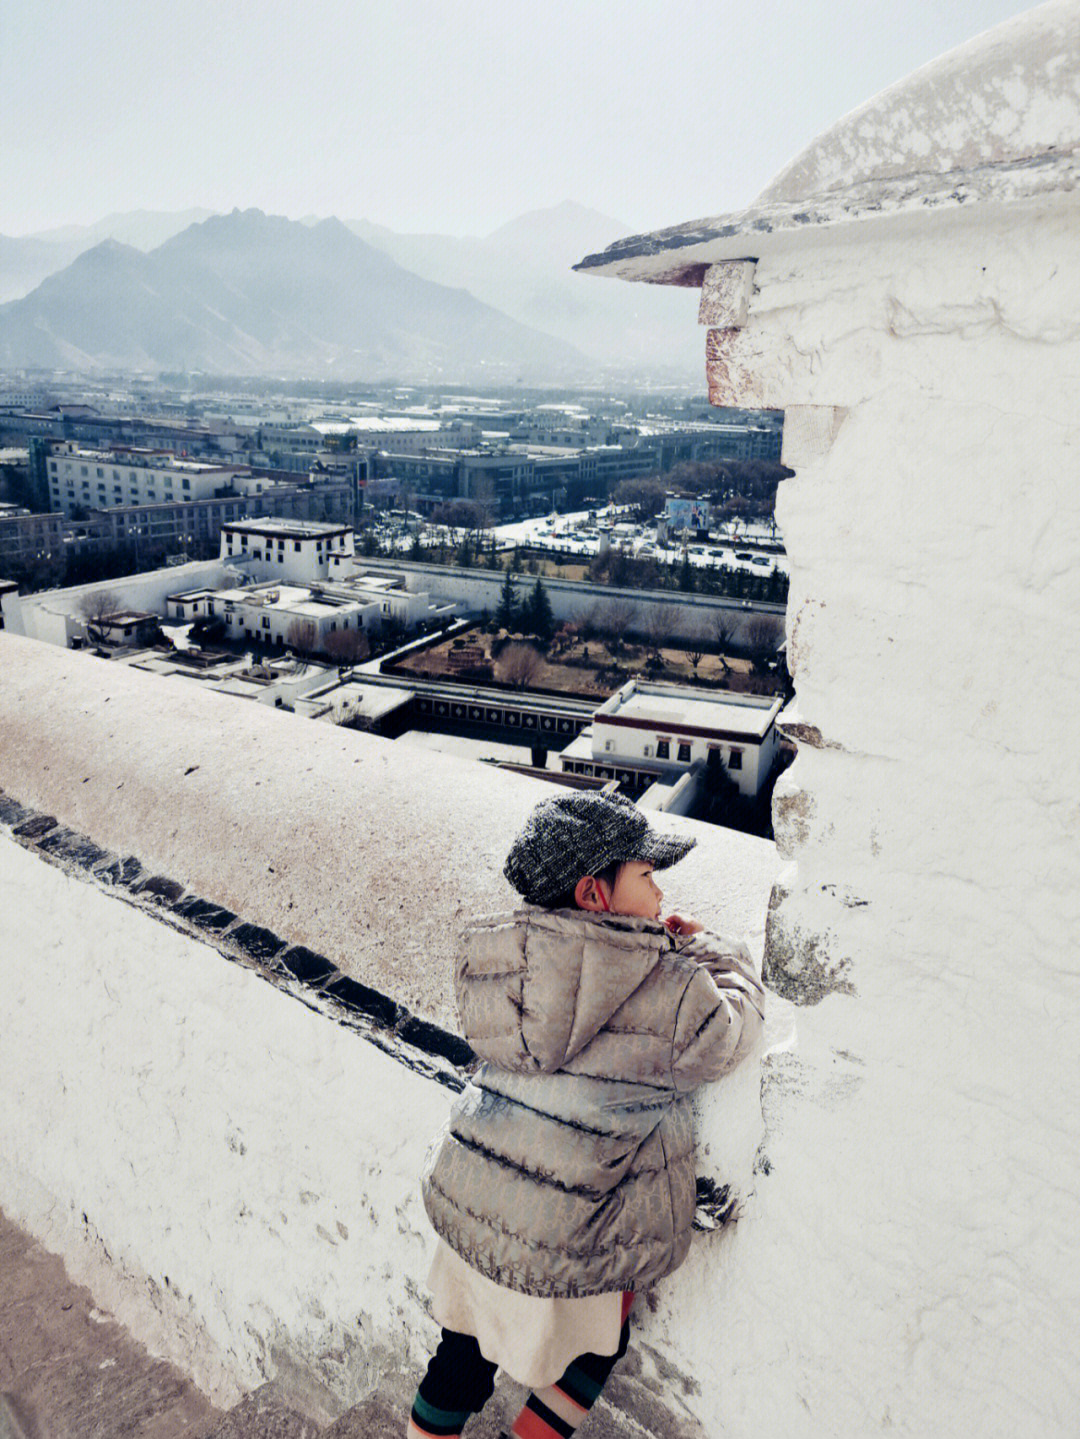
(533, 1340)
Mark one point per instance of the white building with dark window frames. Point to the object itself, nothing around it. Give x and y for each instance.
(300, 551)
(647, 732)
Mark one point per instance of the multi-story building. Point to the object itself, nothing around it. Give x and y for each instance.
(303, 552)
(315, 591)
(35, 548)
(301, 616)
(81, 479)
(32, 546)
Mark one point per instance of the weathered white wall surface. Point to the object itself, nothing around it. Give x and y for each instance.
(1003, 96)
(215, 1129)
(333, 839)
(246, 1167)
(927, 1123)
(915, 311)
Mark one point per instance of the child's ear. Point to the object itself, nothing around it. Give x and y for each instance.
(587, 893)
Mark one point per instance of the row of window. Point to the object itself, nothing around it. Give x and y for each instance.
(133, 475)
(663, 751)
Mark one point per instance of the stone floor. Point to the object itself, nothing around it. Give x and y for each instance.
(68, 1371)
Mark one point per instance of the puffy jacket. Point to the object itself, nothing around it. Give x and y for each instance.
(567, 1167)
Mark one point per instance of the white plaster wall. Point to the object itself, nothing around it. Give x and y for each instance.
(247, 1168)
(912, 1267)
(1008, 94)
(687, 616)
(53, 615)
(325, 836)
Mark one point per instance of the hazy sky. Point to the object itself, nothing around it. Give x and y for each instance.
(451, 117)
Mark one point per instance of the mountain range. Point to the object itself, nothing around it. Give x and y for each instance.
(248, 293)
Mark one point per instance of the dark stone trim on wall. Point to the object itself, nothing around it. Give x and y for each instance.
(413, 1042)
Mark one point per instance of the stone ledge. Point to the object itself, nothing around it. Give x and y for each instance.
(413, 1041)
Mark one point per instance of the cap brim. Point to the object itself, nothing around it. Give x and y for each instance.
(662, 850)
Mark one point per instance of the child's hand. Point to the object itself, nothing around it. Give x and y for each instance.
(682, 924)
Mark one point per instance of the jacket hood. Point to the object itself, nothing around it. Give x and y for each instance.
(575, 968)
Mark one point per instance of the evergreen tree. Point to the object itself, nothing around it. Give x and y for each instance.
(537, 616)
(507, 612)
(686, 575)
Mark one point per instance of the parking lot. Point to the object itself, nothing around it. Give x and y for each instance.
(755, 548)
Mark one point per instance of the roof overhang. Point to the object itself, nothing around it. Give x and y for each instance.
(682, 254)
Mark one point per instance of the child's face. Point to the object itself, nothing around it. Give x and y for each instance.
(635, 891)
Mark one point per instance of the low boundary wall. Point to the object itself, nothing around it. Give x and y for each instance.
(219, 1131)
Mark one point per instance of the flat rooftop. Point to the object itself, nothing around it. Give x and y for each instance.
(289, 529)
(142, 459)
(400, 423)
(679, 708)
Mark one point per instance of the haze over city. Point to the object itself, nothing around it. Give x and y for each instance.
(451, 118)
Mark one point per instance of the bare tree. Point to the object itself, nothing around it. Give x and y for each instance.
(694, 647)
(587, 621)
(302, 636)
(519, 663)
(656, 623)
(97, 609)
(724, 633)
(762, 639)
(619, 615)
(347, 647)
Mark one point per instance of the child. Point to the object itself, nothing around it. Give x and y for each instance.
(566, 1181)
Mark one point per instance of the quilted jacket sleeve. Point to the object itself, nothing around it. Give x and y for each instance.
(720, 1014)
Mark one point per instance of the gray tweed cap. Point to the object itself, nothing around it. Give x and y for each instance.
(581, 832)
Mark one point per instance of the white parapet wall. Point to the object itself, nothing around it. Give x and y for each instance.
(908, 292)
(225, 1156)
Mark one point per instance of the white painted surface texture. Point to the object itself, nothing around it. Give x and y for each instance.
(925, 1160)
(233, 1174)
(917, 1235)
(236, 1175)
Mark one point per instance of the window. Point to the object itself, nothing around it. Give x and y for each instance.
(296, 545)
(663, 749)
(333, 624)
(648, 751)
(266, 622)
(684, 754)
(735, 759)
(607, 746)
